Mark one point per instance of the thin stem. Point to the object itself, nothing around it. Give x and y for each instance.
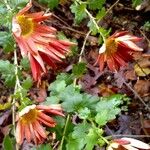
(14, 100)
(95, 23)
(135, 93)
(7, 5)
(64, 132)
(105, 140)
(83, 46)
(109, 10)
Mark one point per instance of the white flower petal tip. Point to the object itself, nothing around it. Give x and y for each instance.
(137, 144)
(102, 49)
(26, 110)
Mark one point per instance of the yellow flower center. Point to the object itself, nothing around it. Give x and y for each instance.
(111, 46)
(29, 117)
(26, 25)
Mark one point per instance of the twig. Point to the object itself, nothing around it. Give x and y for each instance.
(64, 132)
(141, 68)
(135, 93)
(145, 36)
(83, 46)
(14, 99)
(109, 10)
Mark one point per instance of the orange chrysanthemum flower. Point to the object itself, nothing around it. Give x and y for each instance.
(38, 41)
(31, 120)
(116, 50)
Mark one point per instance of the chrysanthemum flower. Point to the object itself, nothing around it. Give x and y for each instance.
(38, 41)
(31, 120)
(128, 144)
(117, 49)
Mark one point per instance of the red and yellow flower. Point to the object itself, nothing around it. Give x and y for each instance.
(117, 49)
(31, 120)
(38, 41)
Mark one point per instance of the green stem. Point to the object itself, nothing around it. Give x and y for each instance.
(7, 5)
(14, 100)
(104, 139)
(64, 132)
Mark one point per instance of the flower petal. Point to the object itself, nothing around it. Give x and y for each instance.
(19, 132)
(131, 45)
(39, 129)
(46, 123)
(46, 118)
(27, 133)
(32, 133)
(42, 18)
(136, 143)
(35, 68)
(102, 49)
(26, 8)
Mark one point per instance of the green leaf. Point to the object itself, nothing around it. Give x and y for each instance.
(92, 27)
(104, 32)
(27, 83)
(95, 4)
(24, 102)
(108, 108)
(25, 63)
(79, 11)
(101, 13)
(51, 100)
(136, 2)
(57, 86)
(61, 36)
(81, 130)
(43, 147)
(7, 143)
(7, 70)
(9, 44)
(72, 99)
(84, 113)
(50, 3)
(3, 37)
(79, 69)
(92, 138)
(73, 144)
(66, 77)
(77, 139)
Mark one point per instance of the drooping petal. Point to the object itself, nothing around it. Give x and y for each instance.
(48, 60)
(32, 133)
(43, 28)
(35, 68)
(101, 61)
(137, 144)
(36, 14)
(39, 129)
(118, 34)
(27, 133)
(132, 46)
(46, 123)
(46, 118)
(42, 18)
(128, 38)
(49, 53)
(25, 9)
(19, 133)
